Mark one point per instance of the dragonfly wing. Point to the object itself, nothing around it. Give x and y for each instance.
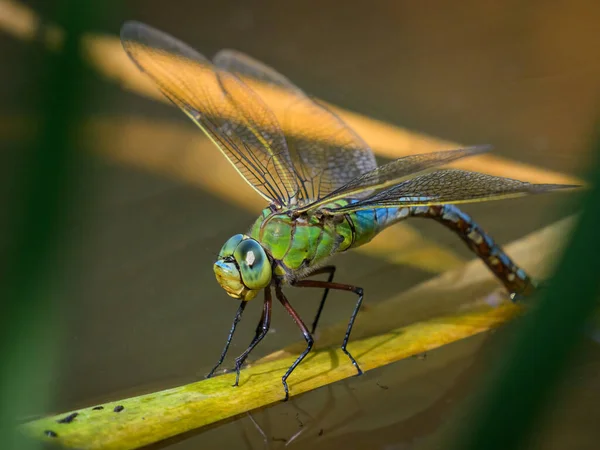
(326, 153)
(242, 64)
(230, 113)
(395, 172)
(448, 186)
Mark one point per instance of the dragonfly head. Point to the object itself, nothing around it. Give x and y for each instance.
(243, 267)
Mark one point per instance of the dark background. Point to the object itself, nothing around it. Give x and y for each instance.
(142, 308)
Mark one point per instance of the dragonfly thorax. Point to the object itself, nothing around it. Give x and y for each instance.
(243, 267)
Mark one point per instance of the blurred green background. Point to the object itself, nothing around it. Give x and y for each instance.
(134, 297)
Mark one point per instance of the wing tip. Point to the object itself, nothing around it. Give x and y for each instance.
(135, 35)
(555, 187)
(131, 29)
(478, 149)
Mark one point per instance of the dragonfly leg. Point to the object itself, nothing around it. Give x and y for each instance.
(342, 287)
(307, 336)
(236, 319)
(261, 331)
(331, 271)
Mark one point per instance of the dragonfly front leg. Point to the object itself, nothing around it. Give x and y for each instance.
(261, 331)
(237, 318)
(342, 287)
(307, 336)
(331, 271)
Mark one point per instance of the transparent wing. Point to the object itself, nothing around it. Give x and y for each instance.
(326, 153)
(448, 186)
(395, 172)
(230, 113)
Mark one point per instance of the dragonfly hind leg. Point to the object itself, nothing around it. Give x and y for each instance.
(342, 287)
(307, 336)
(331, 271)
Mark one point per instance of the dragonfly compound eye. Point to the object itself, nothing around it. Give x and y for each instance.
(229, 247)
(242, 268)
(254, 264)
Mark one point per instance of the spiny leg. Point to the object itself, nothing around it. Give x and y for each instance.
(236, 319)
(307, 336)
(342, 287)
(261, 331)
(331, 271)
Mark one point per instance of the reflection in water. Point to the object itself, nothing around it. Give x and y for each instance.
(308, 425)
(343, 416)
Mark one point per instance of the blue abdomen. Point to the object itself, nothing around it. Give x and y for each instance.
(369, 222)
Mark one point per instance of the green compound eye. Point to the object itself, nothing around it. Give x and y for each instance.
(230, 245)
(254, 264)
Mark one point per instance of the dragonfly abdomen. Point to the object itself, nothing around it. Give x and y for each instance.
(366, 224)
(514, 278)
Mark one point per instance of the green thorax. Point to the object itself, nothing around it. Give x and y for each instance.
(299, 244)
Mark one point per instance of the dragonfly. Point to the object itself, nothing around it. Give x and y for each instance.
(324, 191)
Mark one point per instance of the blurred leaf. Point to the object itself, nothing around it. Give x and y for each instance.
(40, 203)
(522, 383)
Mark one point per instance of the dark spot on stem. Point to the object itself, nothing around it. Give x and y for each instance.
(69, 418)
(97, 408)
(382, 386)
(321, 432)
(50, 433)
(118, 408)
